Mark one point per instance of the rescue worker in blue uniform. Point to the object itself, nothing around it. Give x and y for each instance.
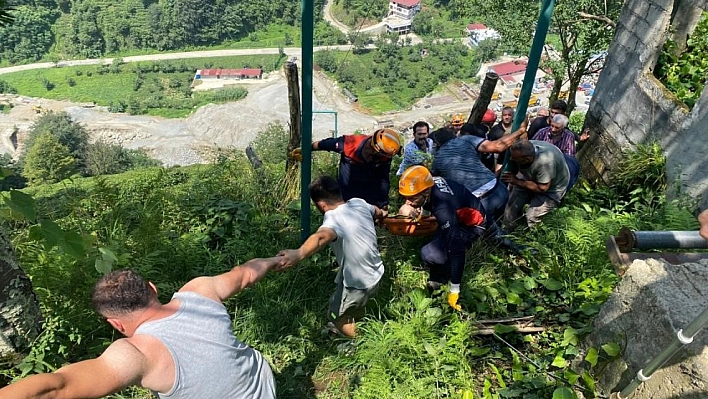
(364, 164)
(461, 221)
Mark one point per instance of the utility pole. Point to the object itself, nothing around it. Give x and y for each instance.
(291, 75)
(308, 12)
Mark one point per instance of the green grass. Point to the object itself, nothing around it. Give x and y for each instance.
(377, 103)
(178, 223)
(352, 19)
(105, 89)
(379, 91)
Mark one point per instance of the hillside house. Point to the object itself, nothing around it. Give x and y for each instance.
(400, 16)
(511, 73)
(404, 9)
(235, 74)
(398, 25)
(479, 32)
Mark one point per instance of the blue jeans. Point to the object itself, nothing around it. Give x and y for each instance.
(574, 169)
(494, 201)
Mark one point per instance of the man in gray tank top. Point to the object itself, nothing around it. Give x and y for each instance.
(184, 349)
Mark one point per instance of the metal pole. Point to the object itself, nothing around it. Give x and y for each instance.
(335, 113)
(308, 11)
(683, 337)
(539, 39)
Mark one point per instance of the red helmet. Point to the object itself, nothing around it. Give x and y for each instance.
(489, 117)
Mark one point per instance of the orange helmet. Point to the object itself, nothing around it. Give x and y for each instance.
(415, 180)
(386, 142)
(457, 120)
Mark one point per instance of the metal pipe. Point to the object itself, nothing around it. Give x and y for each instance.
(308, 12)
(336, 122)
(539, 39)
(629, 239)
(683, 337)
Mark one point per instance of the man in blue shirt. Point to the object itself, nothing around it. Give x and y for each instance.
(458, 159)
(418, 151)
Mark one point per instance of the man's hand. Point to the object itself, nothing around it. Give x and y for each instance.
(509, 178)
(703, 220)
(585, 135)
(288, 258)
(452, 299)
(296, 154)
(408, 210)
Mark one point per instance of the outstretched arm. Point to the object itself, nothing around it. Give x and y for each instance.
(703, 220)
(120, 366)
(223, 286)
(315, 242)
(500, 145)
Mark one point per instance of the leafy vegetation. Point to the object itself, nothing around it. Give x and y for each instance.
(393, 75)
(685, 73)
(57, 147)
(160, 88)
(95, 28)
(178, 223)
(583, 28)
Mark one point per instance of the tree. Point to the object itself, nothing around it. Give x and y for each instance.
(67, 132)
(423, 23)
(358, 41)
(5, 17)
(48, 161)
(584, 29)
(488, 49)
(326, 60)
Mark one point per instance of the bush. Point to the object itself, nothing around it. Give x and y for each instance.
(48, 160)
(47, 84)
(271, 144)
(69, 133)
(6, 88)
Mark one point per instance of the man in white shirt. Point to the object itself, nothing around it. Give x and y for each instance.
(349, 229)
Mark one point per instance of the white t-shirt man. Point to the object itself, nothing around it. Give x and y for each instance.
(355, 247)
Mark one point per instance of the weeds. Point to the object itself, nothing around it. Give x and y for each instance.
(175, 224)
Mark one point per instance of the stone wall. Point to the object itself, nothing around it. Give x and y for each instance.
(631, 107)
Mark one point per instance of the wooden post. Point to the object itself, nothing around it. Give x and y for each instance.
(295, 121)
(485, 97)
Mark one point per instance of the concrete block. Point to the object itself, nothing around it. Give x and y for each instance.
(651, 303)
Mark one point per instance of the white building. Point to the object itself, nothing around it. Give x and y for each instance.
(404, 9)
(479, 32)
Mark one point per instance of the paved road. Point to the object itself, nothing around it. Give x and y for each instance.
(290, 51)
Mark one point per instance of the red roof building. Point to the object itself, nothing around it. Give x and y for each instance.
(509, 68)
(229, 73)
(471, 27)
(406, 3)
